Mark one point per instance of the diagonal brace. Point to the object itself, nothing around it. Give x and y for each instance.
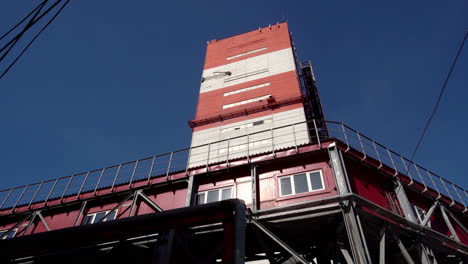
(291, 251)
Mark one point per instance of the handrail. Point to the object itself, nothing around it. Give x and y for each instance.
(223, 151)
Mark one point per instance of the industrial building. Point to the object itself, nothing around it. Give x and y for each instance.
(267, 179)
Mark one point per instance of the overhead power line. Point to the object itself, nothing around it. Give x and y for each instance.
(37, 14)
(440, 95)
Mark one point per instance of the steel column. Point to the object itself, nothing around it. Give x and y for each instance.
(404, 203)
(353, 227)
(449, 224)
(191, 191)
(382, 246)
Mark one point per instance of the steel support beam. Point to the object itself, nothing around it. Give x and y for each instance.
(190, 200)
(282, 244)
(457, 221)
(346, 254)
(429, 213)
(339, 170)
(449, 224)
(16, 225)
(403, 250)
(354, 230)
(404, 203)
(382, 246)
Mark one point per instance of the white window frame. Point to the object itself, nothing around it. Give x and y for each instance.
(293, 188)
(2, 232)
(220, 192)
(96, 213)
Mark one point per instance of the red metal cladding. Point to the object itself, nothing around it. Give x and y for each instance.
(268, 49)
(281, 86)
(272, 38)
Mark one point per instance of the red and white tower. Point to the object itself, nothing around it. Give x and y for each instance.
(250, 83)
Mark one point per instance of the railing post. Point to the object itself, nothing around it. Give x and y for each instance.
(420, 177)
(98, 182)
(227, 152)
(407, 171)
(35, 194)
(393, 163)
(317, 134)
(82, 185)
(272, 142)
(346, 137)
(169, 166)
(294, 135)
(66, 188)
(51, 190)
(248, 147)
(362, 146)
(459, 197)
(6, 198)
(115, 177)
(377, 153)
(21, 196)
(151, 169)
(208, 156)
(133, 174)
(448, 193)
(433, 184)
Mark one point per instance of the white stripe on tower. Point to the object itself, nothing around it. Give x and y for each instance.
(250, 69)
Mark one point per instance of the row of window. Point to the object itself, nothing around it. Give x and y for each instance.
(289, 185)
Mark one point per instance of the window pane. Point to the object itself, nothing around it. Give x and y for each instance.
(111, 216)
(226, 194)
(213, 196)
(98, 217)
(87, 220)
(316, 181)
(300, 183)
(201, 198)
(285, 186)
(9, 235)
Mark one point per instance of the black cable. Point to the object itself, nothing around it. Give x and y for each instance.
(35, 37)
(21, 22)
(440, 96)
(18, 36)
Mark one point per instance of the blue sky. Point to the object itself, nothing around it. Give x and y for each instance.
(114, 81)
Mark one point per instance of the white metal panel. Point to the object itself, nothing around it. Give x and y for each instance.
(242, 142)
(248, 70)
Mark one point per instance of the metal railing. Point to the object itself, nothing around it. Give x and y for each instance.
(224, 151)
(401, 165)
